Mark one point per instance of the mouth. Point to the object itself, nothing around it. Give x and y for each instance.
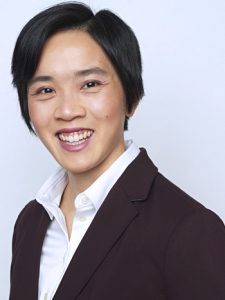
(75, 137)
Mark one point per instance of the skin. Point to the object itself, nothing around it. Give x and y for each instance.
(75, 86)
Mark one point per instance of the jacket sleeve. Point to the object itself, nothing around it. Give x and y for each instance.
(15, 235)
(195, 258)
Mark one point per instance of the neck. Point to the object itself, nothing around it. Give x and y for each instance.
(79, 182)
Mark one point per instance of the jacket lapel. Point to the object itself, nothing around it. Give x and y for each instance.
(110, 222)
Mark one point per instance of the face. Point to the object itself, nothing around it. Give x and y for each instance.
(77, 104)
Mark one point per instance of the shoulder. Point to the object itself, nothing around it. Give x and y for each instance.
(29, 219)
(171, 195)
(172, 204)
(160, 202)
(32, 211)
(175, 215)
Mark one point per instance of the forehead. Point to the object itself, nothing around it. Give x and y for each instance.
(76, 46)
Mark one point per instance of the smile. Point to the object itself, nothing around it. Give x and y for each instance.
(75, 138)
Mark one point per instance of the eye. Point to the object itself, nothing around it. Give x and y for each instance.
(91, 84)
(45, 91)
(42, 93)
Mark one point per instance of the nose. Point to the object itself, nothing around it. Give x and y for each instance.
(69, 107)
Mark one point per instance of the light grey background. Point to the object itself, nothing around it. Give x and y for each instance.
(180, 120)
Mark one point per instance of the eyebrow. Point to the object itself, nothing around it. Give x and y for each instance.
(90, 71)
(39, 79)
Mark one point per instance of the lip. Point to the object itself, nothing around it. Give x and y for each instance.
(75, 148)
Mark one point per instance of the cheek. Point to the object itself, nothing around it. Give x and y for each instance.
(110, 116)
(115, 113)
(38, 116)
(109, 109)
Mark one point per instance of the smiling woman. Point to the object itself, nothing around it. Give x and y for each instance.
(106, 224)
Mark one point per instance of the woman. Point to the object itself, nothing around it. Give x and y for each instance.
(106, 225)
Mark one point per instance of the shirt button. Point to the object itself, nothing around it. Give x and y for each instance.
(84, 200)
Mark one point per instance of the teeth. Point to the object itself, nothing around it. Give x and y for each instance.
(63, 138)
(75, 137)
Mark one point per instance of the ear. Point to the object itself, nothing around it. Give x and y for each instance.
(135, 105)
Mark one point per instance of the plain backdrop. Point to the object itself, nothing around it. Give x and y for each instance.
(180, 120)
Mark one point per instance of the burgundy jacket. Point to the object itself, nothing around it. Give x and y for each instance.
(148, 241)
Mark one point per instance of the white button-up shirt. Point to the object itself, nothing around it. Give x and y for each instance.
(58, 249)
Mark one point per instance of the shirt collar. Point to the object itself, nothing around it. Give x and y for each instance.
(51, 191)
(49, 195)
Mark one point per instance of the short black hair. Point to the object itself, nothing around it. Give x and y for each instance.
(113, 35)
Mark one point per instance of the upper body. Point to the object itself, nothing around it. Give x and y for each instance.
(148, 240)
(79, 80)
